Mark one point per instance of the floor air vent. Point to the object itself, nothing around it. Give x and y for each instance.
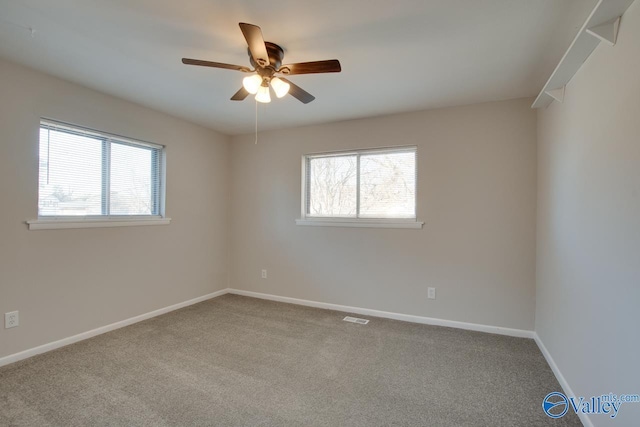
(356, 320)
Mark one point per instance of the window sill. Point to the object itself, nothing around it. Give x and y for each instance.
(53, 224)
(367, 223)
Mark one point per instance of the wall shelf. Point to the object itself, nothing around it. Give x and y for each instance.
(601, 25)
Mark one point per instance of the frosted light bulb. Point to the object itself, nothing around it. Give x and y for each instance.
(252, 83)
(263, 95)
(280, 87)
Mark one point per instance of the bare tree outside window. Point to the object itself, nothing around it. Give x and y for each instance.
(366, 184)
(131, 192)
(388, 185)
(332, 186)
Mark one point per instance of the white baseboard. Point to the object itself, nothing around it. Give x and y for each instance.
(563, 382)
(520, 333)
(101, 330)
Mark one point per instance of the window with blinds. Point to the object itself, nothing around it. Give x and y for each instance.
(85, 173)
(367, 184)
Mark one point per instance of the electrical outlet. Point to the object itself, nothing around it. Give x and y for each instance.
(431, 293)
(264, 274)
(11, 320)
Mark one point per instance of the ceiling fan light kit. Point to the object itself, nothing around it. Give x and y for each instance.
(266, 60)
(258, 86)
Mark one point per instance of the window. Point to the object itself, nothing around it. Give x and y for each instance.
(85, 174)
(375, 186)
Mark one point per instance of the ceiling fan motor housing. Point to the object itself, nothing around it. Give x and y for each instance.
(276, 55)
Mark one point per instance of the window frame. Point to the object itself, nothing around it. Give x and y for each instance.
(45, 222)
(357, 221)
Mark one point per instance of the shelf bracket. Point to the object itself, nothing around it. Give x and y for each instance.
(601, 25)
(557, 94)
(607, 31)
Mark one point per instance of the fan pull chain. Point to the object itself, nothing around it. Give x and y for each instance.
(256, 123)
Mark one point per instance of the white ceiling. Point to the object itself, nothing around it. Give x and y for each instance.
(396, 56)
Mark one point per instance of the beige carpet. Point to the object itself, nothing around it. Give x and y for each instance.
(238, 361)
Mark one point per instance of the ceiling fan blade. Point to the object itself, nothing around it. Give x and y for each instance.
(240, 95)
(328, 66)
(188, 61)
(299, 93)
(253, 35)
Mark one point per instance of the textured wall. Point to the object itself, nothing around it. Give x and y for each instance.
(588, 271)
(65, 282)
(476, 195)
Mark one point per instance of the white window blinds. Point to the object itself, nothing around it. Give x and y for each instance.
(362, 184)
(89, 173)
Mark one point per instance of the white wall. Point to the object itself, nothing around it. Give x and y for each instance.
(65, 282)
(588, 271)
(476, 194)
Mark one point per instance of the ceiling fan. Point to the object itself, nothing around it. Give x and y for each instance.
(266, 60)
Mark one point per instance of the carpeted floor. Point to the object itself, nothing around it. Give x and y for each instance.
(238, 361)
